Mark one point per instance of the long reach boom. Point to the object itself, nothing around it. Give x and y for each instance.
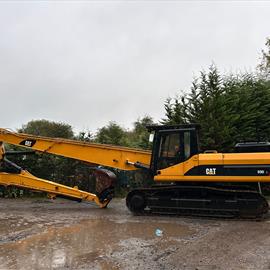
(106, 155)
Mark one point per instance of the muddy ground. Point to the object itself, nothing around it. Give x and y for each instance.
(61, 234)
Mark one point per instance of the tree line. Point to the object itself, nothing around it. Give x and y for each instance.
(229, 108)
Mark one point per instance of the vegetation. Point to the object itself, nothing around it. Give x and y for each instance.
(116, 135)
(229, 109)
(264, 66)
(48, 129)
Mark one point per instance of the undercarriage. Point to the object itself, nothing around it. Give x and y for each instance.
(198, 200)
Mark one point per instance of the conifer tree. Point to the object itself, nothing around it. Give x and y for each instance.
(264, 66)
(229, 109)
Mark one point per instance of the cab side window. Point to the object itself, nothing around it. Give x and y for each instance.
(169, 150)
(187, 145)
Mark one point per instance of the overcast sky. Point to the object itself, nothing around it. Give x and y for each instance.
(88, 63)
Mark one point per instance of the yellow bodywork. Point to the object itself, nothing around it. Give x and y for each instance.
(24, 179)
(29, 181)
(177, 172)
(106, 155)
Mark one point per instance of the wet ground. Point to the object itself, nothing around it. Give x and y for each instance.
(60, 234)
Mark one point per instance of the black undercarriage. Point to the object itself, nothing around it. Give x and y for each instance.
(231, 201)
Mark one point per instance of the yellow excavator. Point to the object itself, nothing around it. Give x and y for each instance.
(188, 182)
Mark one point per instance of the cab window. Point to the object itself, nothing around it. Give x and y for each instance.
(169, 150)
(187, 145)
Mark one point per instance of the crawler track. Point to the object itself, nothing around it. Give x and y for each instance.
(193, 200)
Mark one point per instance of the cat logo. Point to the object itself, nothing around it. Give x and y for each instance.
(210, 171)
(28, 143)
(261, 172)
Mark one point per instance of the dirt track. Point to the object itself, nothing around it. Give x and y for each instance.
(43, 234)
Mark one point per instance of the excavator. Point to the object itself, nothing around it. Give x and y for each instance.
(187, 181)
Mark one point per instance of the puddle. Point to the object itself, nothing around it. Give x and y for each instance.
(85, 245)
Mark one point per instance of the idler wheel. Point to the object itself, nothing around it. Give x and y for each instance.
(136, 202)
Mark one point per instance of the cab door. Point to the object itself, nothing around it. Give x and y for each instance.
(168, 150)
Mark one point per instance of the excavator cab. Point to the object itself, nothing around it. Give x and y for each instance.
(173, 144)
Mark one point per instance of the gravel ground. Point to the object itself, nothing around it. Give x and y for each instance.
(61, 234)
